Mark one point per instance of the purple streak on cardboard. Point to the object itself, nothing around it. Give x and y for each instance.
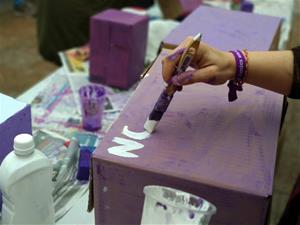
(227, 30)
(217, 163)
(118, 45)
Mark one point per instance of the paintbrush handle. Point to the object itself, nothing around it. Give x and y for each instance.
(161, 106)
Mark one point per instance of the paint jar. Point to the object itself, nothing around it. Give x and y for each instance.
(165, 205)
(92, 100)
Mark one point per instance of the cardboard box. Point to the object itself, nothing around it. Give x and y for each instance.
(228, 30)
(224, 152)
(15, 118)
(118, 44)
(173, 9)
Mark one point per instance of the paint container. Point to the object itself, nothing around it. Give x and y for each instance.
(165, 205)
(92, 99)
(247, 6)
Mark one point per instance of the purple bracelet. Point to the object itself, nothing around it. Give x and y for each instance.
(237, 84)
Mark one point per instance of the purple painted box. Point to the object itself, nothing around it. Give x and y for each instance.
(118, 44)
(224, 152)
(173, 9)
(227, 30)
(15, 118)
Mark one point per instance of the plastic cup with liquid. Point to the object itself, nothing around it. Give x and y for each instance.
(92, 100)
(165, 205)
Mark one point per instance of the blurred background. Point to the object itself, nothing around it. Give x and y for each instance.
(22, 66)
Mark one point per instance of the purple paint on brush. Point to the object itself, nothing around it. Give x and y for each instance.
(160, 106)
(181, 79)
(174, 55)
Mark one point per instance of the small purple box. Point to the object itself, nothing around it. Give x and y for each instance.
(118, 44)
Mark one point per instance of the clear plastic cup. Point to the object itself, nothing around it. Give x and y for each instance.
(165, 205)
(92, 100)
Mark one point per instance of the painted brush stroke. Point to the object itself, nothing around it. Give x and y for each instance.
(135, 135)
(125, 147)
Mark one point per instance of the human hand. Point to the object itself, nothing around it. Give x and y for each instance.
(210, 65)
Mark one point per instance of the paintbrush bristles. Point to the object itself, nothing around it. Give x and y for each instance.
(150, 125)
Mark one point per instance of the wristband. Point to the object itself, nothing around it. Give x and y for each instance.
(241, 62)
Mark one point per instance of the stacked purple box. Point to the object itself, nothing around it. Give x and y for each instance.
(224, 152)
(118, 44)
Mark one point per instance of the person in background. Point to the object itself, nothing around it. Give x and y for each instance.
(62, 25)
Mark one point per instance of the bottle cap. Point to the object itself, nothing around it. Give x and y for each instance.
(23, 144)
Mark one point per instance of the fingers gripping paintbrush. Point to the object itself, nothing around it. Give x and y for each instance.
(166, 96)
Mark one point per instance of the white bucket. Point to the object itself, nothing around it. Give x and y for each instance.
(165, 205)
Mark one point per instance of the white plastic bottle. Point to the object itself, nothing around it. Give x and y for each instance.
(25, 182)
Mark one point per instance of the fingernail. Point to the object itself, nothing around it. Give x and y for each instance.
(173, 56)
(180, 79)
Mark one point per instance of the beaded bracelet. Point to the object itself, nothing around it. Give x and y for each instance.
(241, 61)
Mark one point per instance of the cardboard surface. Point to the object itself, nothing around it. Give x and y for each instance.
(203, 143)
(118, 45)
(227, 30)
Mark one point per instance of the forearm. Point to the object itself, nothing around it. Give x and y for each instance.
(271, 70)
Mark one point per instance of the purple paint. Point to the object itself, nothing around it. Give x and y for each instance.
(183, 78)
(159, 204)
(196, 202)
(177, 53)
(191, 215)
(160, 106)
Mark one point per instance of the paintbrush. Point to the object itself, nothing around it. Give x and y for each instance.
(167, 94)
